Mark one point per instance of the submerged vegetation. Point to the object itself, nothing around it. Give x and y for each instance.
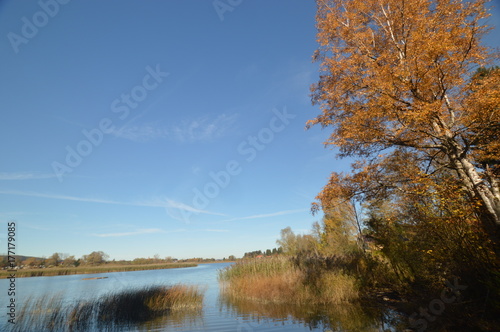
(116, 310)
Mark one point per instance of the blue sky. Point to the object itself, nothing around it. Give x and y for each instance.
(173, 128)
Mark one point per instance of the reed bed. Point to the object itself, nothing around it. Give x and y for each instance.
(280, 280)
(145, 304)
(59, 271)
(109, 312)
(261, 267)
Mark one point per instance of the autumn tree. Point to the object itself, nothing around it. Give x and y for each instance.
(69, 261)
(95, 258)
(54, 259)
(43, 261)
(157, 258)
(400, 90)
(31, 262)
(169, 259)
(340, 231)
(4, 262)
(297, 244)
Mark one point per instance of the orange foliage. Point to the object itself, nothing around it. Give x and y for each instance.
(398, 89)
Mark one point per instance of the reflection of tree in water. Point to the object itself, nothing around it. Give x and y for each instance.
(342, 317)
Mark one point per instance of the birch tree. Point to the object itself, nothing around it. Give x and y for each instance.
(404, 90)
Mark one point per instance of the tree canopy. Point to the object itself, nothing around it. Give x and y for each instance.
(404, 89)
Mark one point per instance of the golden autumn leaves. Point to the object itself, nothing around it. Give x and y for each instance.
(398, 89)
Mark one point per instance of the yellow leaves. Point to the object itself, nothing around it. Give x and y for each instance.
(385, 67)
(393, 88)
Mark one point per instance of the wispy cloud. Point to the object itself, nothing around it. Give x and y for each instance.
(141, 133)
(137, 232)
(25, 176)
(155, 202)
(196, 130)
(63, 197)
(267, 215)
(169, 204)
(155, 230)
(203, 128)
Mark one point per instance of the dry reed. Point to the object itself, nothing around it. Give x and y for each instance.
(279, 280)
(125, 308)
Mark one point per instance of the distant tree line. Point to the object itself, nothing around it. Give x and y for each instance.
(95, 258)
(267, 252)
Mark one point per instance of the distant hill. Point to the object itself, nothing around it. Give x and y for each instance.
(2, 257)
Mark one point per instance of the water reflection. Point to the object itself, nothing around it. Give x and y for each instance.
(141, 309)
(219, 312)
(187, 320)
(344, 317)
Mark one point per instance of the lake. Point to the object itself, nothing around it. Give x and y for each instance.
(218, 314)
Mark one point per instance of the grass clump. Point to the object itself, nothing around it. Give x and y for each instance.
(145, 304)
(125, 308)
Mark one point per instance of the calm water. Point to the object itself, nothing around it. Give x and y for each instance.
(218, 314)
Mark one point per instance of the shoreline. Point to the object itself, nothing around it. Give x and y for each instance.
(55, 271)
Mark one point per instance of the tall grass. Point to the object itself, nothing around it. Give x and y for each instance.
(262, 267)
(126, 308)
(280, 280)
(60, 271)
